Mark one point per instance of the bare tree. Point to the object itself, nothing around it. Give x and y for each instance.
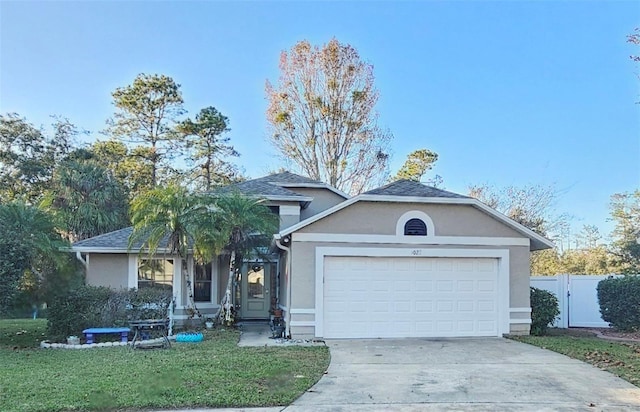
(531, 206)
(322, 116)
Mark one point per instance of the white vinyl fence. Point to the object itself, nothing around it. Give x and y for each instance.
(577, 297)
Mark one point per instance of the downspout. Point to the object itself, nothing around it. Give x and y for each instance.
(287, 332)
(79, 257)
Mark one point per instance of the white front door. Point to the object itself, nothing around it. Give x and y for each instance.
(388, 297)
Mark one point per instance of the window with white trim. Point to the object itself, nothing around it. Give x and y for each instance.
(202, 284)
(155, 272)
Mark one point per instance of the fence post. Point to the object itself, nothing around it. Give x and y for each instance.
(564, 294)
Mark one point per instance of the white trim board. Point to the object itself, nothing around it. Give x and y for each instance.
(303, 311)
(410, 240)
(520, 310)
(503, 273)
(303, 323)
(520, 321)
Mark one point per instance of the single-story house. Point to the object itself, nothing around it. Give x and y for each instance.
(403, 260)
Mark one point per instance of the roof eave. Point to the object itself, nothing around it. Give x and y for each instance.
(313, 186)
(117, 250)
(286, 198)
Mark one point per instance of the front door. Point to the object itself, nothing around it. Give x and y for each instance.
(256, 290)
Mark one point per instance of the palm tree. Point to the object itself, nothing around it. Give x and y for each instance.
(176, 220)
(87, 200)
(245, 225)
(30, 243)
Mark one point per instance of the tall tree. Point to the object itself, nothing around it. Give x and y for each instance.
(30, 245)
(625, 245)
(322, 118)
(146, 113)
(208, 149)
(417, 164)
(28, 156)
(86, 200)
(127, 165)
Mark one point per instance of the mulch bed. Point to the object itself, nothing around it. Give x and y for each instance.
(612, 334)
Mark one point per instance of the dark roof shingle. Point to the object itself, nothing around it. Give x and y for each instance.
(268, 186)
(118, 239)
(414, 189)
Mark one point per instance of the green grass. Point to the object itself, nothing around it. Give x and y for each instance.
(214, 373)
(620, 358)
(22, 333)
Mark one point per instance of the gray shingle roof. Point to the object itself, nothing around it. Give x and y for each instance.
(261, 188)
(287, 177)
(268, 186)
(118, 239)
(413, 189)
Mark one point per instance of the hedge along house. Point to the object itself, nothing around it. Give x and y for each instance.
(109, 262)
(404, 260)
(407, 260)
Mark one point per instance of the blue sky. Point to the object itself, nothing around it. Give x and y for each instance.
(507, 93)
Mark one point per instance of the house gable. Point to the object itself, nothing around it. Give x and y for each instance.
(445, 204)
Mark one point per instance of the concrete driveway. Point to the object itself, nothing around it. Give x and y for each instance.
(491, 374)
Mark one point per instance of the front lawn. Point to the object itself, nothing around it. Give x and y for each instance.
(620, 358)
(214, 373)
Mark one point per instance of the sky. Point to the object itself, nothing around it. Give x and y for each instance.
(507, 93)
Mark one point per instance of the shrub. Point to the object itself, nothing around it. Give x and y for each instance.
(149, 303)
(91, 306)
(544, 310)
(80, 308)
(619, 300)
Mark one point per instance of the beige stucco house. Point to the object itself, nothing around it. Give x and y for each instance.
(403, 260)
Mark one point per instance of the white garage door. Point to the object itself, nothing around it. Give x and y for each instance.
(368, 297)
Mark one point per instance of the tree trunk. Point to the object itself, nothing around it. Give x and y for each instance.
(225, 316)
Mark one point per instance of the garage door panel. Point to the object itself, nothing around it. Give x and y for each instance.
(466, 306)
(445, 286)
(444, 306)
(486, 286)
(423, 285)
(424, 306)
(414, 297)
(401, 265)
(466, 326)
(487, 306)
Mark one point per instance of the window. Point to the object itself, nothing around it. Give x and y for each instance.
(415, 227)
(155, 272)
(202, 284)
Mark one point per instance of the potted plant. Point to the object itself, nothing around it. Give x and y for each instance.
(208, 323)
